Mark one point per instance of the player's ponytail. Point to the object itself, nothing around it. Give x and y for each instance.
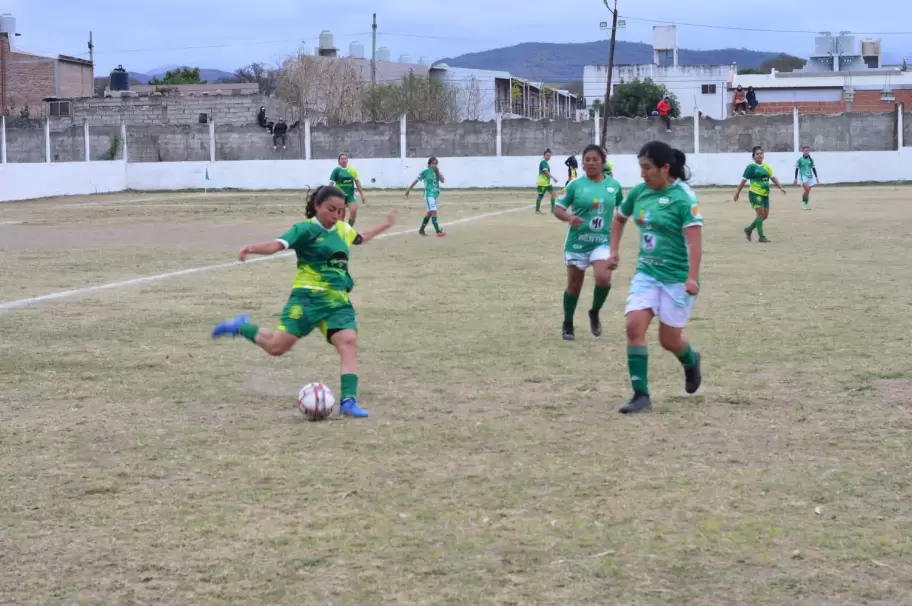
(661, 154)
(678, 168)
(318, 197)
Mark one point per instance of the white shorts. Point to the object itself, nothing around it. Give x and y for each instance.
(809, 181)
(585, 260)
(669, 302)
(430, 203)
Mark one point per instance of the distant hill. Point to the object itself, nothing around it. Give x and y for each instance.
(211, 76)
(561, 63)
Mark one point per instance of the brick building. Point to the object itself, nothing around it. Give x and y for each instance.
(26, 79)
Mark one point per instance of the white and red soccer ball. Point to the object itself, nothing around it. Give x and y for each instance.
(316, 401)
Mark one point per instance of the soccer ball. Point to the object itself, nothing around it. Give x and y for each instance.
(316, 401)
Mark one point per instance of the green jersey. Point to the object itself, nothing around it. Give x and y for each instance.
(595, 203)
(431, 182)
(759, 176)
(662, 217)
(805, 167)
(543, 179)
(322, 255)
(608, 169)
(344, 178)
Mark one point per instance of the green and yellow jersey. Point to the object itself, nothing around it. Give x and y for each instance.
(345, 178)
(322, 256)
(543, 179)
(759, 176)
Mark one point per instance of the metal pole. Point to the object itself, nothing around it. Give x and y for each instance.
(86, 141)
(614, 26)
(47, 141)
(2, 139)
(123, 140)
(374, 53)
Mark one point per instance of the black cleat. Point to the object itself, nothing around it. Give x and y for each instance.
(639, 403)
(693, 377)
(594, 323)
(747, 233)
(763, 240)
(568, 333)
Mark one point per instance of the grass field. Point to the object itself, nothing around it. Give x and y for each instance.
(143, 463)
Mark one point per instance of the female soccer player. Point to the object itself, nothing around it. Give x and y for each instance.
(345, 178)
(544, 182)
(759, 173)
(432, 178)
(667, 278)
(319, 294)
(806, 173)
(588, 205)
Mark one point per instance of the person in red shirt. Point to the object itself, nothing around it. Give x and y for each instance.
(664, 109)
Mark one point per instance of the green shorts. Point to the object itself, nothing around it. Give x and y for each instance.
(350, 198)
(329, 311)
(545, 189)
(758, 201)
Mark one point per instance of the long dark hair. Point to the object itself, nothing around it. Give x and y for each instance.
(318, 197)
(661, 154)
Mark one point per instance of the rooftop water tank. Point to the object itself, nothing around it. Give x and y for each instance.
(356, 50)
(424, 61)
(405, 59)
(326, 40)
(383, 54)
(7, 25)
(120, 79)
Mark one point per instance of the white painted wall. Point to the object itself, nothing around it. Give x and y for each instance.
(464, 80)
(29, 181)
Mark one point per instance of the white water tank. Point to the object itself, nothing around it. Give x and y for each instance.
(424, 61)
(8, 25)
(405, 59)
(383, 54)
(356, 50)
(326, 40)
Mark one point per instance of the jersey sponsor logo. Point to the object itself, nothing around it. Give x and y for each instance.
(644, 217)
(664, 201)
(597, 223)
(649, 241)
(296, 312)
(695, 211)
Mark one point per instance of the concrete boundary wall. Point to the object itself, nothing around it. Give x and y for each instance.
(29, 181)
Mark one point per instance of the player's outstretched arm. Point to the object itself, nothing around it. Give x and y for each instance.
(740, 187)
(369, 234)
(262, 248)
(410, 187)
(776, 182)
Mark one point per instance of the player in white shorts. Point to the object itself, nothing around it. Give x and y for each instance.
(806, 175)
(432, 178)
(666, 282)
(588, 205)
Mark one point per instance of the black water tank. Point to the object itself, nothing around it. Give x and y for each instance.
(120, 79)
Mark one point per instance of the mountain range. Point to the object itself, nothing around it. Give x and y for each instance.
(209, 75)
(561, 63)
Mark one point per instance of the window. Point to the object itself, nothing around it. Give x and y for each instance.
(709, 89)
(60, 109)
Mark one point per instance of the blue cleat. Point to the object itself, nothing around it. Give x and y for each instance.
(230, 327)
(350, 408)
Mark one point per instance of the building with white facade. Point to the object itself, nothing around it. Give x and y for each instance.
(697, 87)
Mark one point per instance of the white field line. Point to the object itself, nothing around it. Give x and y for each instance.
(196, 270)
(10, 222)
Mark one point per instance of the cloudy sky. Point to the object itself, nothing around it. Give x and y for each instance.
(230, 33)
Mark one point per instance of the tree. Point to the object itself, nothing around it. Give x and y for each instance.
(182, 75)
(781, 63)
(266, 78)
(420, 98)
(639, 98)
(326, 91)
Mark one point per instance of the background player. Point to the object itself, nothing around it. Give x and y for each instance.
(545, 178)
(806, 174)
(432, 178)
(345, 177)
(588, 206)
(759, 173)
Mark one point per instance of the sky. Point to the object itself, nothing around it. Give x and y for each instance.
(231, 33)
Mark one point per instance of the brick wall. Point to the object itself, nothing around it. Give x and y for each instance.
(29, 79)
(76, 80)
(866, 101)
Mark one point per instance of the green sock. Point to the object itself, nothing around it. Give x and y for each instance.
(601, 293)
(249, 331)
(424, 222)
(687, 357)
(569, 307)
(436, 225)
(349, 386)
(538, 204)
(552, 205)
(351, 221)
(752, 226)
(760, 227)
(804, 199)
(638, 365)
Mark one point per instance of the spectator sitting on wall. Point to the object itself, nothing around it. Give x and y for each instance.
(261, 120)
(751, 99)
(278, 132)
(739, 102)
(663, 110)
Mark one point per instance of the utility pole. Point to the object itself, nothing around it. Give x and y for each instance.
(91, 50)
(607, 106)
(374, 53)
